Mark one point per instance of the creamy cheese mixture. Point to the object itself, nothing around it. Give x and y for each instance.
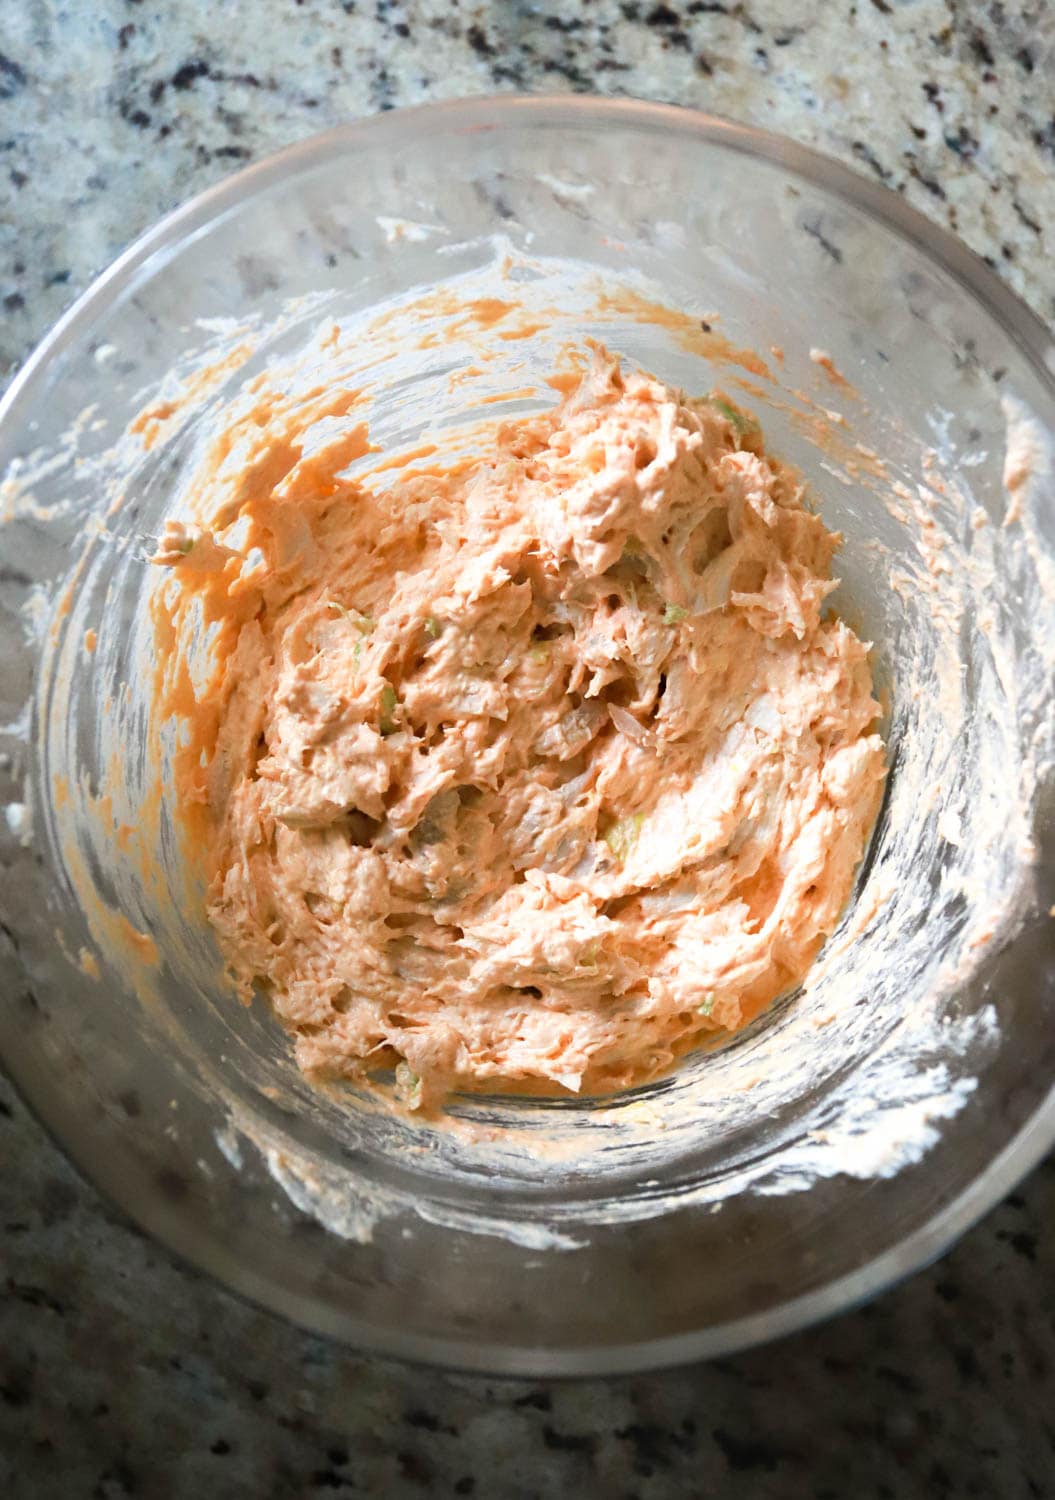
(539, 770)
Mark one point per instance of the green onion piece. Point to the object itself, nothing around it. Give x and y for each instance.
(389, 703)
(741, 423)
(432, 627)
(622, 836)
(365, 623)
(673, 613)
(408, 1085)
(186, 545)
(706, 1005)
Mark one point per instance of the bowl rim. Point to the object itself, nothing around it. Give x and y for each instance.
(141, 260)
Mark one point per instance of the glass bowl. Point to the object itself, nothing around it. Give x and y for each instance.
(851, 1133)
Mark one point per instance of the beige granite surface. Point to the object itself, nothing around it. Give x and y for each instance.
(116, 111)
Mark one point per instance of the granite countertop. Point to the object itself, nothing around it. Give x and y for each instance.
(122, 1373)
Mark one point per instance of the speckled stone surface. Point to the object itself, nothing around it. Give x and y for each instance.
(122, 1373)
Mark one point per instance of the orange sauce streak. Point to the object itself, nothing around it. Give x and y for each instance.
(525, 393)
(689, 332)
(523, 331)
(401, 460)
(565, 381)
(827, 364)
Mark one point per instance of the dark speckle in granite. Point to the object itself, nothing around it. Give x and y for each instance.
(124, 1374)
(569, 1442)
(748, 1452)
(830, 248)
(12, 77)
(479, 41)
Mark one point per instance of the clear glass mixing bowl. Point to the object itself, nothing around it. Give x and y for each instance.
(848, 1136)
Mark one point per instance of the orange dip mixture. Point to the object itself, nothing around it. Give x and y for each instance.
(535, 772)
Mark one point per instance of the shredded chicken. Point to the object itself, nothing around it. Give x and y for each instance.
(537, 772)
